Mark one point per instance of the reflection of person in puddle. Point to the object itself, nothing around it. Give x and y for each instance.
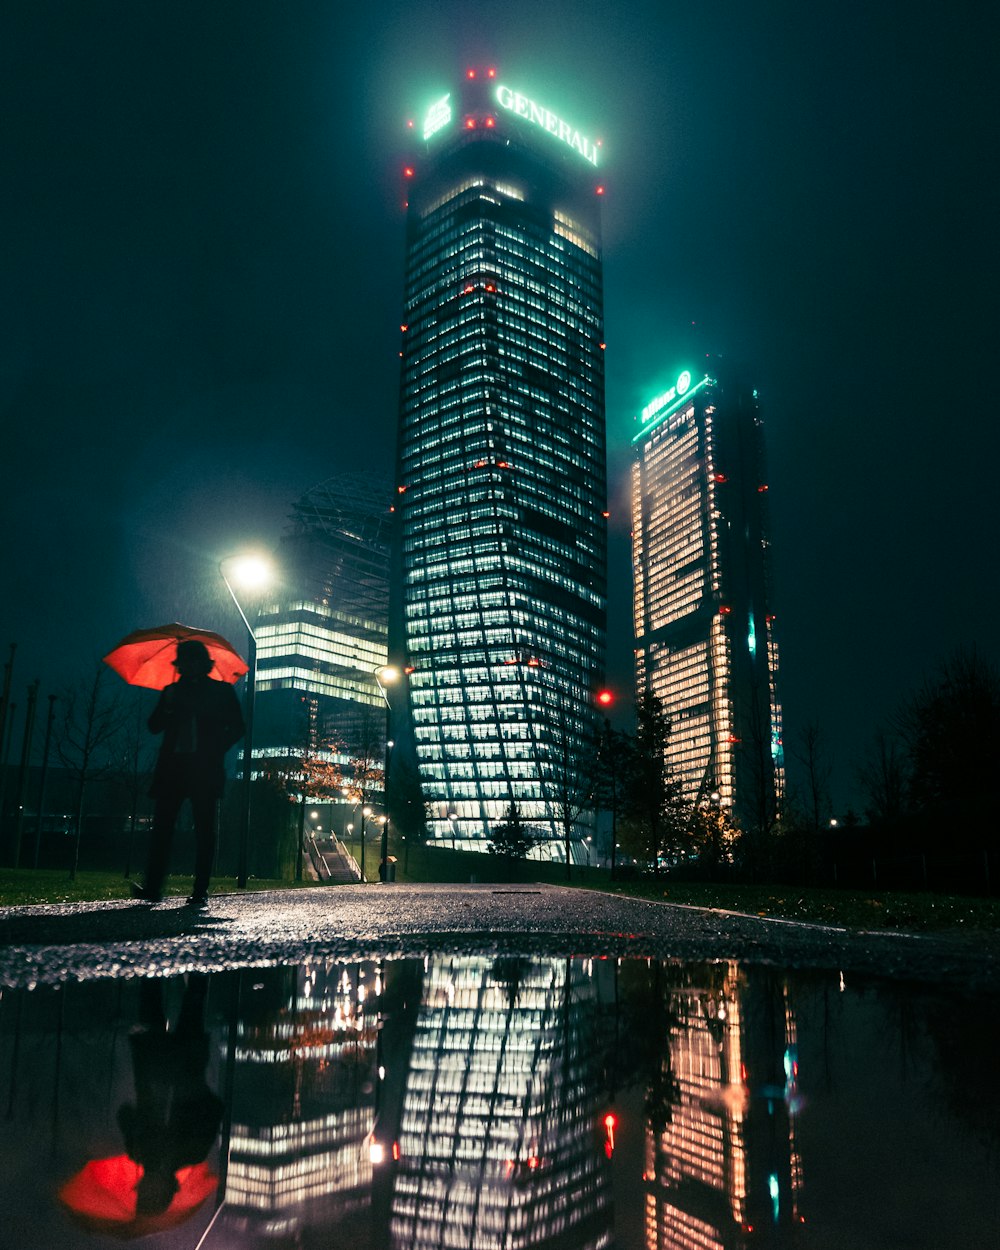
(175, 1119)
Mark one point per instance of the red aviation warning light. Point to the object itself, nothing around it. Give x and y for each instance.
(610, 1124)
(605, 698)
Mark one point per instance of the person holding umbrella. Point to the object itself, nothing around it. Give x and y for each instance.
(200, 719)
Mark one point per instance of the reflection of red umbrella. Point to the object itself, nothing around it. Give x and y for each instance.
(102, 1197)
(146, 657)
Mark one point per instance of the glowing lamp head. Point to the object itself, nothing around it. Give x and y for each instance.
(251, 572)
(388, 674)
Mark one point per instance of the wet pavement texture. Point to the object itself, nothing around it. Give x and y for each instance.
(61, 943)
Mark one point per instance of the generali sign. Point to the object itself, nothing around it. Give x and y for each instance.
(524, 107)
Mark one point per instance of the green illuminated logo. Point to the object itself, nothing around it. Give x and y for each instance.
(657, 405)
(520, 105)
(658, 409)
(438, 116)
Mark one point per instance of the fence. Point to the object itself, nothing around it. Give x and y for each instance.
(973, 872)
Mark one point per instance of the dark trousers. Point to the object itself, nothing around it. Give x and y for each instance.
(204, 808)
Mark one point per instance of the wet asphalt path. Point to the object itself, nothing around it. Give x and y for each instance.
(44, 945)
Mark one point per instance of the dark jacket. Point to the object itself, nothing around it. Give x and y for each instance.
(200, 719)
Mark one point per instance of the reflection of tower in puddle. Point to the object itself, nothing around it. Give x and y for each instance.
(497, 1138)
(722, 1167)
(303, 1099)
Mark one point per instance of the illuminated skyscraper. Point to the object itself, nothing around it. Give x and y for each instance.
(500, 618)
(704, 633)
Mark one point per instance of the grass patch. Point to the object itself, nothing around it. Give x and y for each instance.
(852, 909)
(23, 886)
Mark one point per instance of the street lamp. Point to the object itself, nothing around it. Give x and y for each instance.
(386, 676)
(365, 811)
(251, 574)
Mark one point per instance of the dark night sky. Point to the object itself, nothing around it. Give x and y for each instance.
(202, 271)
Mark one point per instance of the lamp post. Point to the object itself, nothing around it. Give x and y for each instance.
(365, 811)
(385, 676)
(252, 574)
(605, 699)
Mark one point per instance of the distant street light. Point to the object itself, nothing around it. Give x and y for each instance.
(251, 574)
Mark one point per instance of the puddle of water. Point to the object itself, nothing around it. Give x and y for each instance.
(515, 1102)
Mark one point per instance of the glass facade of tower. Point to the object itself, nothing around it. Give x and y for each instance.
(704, 625)
(501, 483)
(321, 640)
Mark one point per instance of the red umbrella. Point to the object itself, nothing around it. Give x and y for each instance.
(102, 1197)
(146, 657)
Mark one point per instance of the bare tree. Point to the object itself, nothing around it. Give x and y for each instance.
(810, 752)
(657, 818)
(133, 757)
(308, 771)
(570, 784)
(951, 730)
(91, 721)
(609, 779)
(367, 771)
(883, 775)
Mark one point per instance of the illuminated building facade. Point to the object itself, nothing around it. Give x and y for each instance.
(497, 1141)
(321, 642)
(501, 486)
(704, 625)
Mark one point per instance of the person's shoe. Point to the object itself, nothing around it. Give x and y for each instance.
(143, 895)
(197, 900)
